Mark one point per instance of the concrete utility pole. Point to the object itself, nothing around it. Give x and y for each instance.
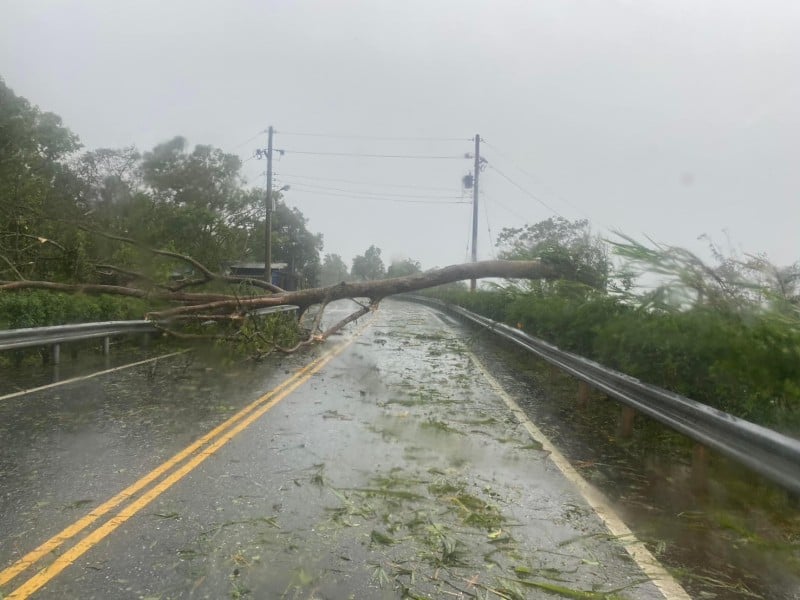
(268, 226)
(473, 282)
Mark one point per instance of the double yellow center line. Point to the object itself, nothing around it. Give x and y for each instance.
(197, 452)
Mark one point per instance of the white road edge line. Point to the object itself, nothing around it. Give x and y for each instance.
(649, 564)
(91, 375)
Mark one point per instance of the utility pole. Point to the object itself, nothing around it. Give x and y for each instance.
(268, 226)
(473, 282)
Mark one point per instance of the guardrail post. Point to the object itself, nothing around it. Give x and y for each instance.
(56, 353)
(626, 423)
(584, 393)
(700, 468)
(106, 345)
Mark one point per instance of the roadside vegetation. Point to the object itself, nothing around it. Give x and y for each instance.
(32, 308)
(176, 230)
(121, 217)
(168, 223)
(724, 332)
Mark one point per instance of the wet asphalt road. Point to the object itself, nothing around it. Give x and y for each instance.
(394, 471)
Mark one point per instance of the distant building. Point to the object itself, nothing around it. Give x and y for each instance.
(255, 270)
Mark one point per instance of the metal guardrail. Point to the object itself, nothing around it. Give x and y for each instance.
(771, 454)
(12, 339)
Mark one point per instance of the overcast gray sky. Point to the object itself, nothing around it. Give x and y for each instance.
(667, 118)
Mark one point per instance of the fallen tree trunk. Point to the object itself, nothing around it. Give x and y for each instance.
(374, 290)
(220, 303)
(231, 308)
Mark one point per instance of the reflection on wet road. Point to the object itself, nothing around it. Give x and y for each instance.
(393, 471)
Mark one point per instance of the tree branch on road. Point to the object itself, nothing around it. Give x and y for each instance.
(374, 290)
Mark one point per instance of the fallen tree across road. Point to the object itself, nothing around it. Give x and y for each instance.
(231, 307)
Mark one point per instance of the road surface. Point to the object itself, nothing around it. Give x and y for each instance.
(386, 463)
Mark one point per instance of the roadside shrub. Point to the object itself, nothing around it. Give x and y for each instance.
(36, 308)
(492, 304)
(570, 323)
(748, 365)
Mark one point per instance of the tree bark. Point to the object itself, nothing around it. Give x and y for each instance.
(208, 304)
(374, 290)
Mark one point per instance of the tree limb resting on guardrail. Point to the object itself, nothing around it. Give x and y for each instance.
(200, 306)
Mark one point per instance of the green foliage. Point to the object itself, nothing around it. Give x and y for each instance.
(192, 201)
(36, 308)
(206, 179)
(368, 266)
(489, 304)
(727, 283)
(402, 268)
(333, 270)
(568, 246)
(747, 365)
(572, 324)
(295, 245)
(36, 185)
(259, 336)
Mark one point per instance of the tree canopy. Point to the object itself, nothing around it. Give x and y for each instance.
(36, 183)
(333, 270)
(569, 247)
(67, 217)
(368, 266)
(401, 268)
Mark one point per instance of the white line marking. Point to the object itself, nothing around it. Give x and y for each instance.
(649, 564)
(83, 377)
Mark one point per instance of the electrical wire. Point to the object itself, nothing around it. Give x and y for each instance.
(488, 224)
(374, 137)
(372, 183)
(374, 194)
(523, 190)
(366, 155)
(247, 141)
(378, 199)
(535, 178)
(510, 210)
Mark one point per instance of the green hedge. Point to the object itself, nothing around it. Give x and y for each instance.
(41, 308)
(749, 366)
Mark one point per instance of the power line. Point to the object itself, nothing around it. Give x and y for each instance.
(373, 183)
(365, 155)
(368, 193)
(508, 209)
(523, 190)
(247, 141)
(488, 226)
(379, 199)
(374, 137)
(535, 178)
